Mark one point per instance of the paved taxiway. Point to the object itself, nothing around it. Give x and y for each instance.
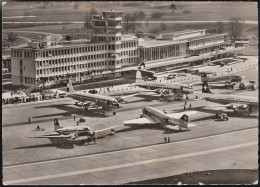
(133, 153)
(213, 152)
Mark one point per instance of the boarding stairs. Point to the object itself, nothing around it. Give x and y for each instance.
(33, 87)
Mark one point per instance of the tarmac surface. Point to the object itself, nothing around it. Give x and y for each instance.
(134, 153)
(223, 176)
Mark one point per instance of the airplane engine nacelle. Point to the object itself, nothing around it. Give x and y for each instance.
(120, 100)
(79, 104)
(241, 108)
(158, 91)
(242, 86)
(236, 79)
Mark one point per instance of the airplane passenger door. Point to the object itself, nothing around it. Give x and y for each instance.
(181, 89)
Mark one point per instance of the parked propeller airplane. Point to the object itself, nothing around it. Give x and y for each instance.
(240, 104)
(151, 85)
(153, 116)
(228, 81)
(75, 134)
(88, 100)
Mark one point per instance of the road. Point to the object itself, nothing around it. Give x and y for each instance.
(150, 22)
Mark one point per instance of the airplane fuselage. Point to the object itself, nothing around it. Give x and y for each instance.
(81, 130)
(175, 87)
(251, 103)
(223, 78)
(232, 98)
(100, 100)
(162, 118)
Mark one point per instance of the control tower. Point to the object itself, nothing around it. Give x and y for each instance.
(108, 28)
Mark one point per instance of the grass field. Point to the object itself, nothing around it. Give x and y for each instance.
(196, 11)
(214, 11)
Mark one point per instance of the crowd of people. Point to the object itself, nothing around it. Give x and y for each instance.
(26, 98)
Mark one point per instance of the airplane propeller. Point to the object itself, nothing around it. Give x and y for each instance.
(75, 135)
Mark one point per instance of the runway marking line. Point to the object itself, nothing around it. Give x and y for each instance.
(131, 149)
(228, 148)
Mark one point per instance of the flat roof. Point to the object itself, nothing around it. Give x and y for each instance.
(127, 37)
(174, 61)
(205, 36)
(183, 32)
(206, 46)
(74, 42)
(155, 43)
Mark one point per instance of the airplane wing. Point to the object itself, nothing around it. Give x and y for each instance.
(140, 121)
(180, 114)
(51, 132)
(178, 128)
(55, 136)
(218, 105)
(106, 129)
(126, 96)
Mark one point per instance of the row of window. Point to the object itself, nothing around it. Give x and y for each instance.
(157, 53)
(68, 60)
(108, 39)
(86, 65)
(102, 23)
(17, 53)
(29, 80)
(58, 52)
(82, 58)
(106, 31)
(205, 41)
(61, 51)
(114, 23)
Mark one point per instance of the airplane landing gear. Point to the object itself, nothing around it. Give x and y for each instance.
(80, 143)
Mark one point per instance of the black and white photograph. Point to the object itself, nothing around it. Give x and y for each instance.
(130, 93)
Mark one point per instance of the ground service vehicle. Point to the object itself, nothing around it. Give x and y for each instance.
(170, 97)
(251, 85)
(221, 116)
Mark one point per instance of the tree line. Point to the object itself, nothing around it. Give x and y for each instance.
(234, 27)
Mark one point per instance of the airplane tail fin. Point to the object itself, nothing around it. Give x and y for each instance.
(69, 86)
(139, 77)
(56, 124)
(185, 118)
(203, 77)
(184, 121)
(205, 88)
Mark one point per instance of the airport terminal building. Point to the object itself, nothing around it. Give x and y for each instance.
(109, 53)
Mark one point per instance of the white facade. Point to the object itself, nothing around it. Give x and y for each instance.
(51, 63)
(108, 52)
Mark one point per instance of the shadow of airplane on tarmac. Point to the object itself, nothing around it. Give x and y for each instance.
(58, 143)
(64, 145)
(146, 98)
(230, 113)
(61, 146)
(69, 111)
(166, 130)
